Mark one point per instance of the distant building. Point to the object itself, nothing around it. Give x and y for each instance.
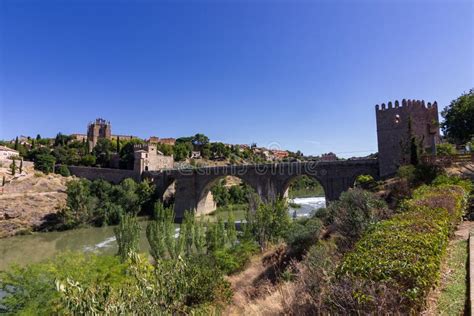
(98, 129)
(148, 158)
(195, 154)
(280, 154)
(166, 141)
(329, 157)
(79, 137)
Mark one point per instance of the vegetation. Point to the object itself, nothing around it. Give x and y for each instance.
(458, 118)
(445, 149)
(305, 186)
(452, 298)
(101, 203)
(403, 253)
(127, 234)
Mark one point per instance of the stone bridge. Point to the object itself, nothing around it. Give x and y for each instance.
(270, 181)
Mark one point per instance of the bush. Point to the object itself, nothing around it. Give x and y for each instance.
(236, 258)
(45, 163)
(64, 171)
(354, 212)
(407, 172)
(31, 290)
(303, 234)
(127, 234)
(446, 149)
(365, 182)
(407, 249)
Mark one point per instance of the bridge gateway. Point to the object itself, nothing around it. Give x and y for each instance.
(270, 181)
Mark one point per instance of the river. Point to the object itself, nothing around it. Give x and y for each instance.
(23, 250)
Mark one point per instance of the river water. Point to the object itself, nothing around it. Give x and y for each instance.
(23, 250)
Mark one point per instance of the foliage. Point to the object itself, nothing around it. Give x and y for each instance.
(354, 212)
(419, 174)
(64, 171)
(406, 250)
(45, 163)
(269, 222)
(458, 118)
(305, 186)
(365, 181)
(446, 149)
(31, 290)
(127, 156)
(127, 234)
(236, 194)
(103, 152)
(99, 202)
(302, 234)
(235, 258)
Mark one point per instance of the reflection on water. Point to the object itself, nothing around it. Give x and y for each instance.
(27, 249)
(23, 250)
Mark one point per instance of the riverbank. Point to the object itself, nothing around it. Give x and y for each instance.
(44, 245)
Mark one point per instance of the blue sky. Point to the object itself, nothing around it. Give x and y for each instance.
(295, 74)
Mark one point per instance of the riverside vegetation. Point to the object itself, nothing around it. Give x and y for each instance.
(356, 256)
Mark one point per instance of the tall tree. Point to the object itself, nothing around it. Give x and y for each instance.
(17, 145)
(458, 125)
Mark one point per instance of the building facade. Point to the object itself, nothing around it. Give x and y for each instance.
(148, 158)
(405, 128)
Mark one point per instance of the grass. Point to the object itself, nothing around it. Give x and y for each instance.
(452, 298)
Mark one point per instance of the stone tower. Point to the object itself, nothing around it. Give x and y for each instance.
(399, 127)
(96, 130)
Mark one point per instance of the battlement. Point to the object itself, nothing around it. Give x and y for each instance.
(406, 104)
(99, 121)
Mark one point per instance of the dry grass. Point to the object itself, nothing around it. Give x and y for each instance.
(254, 293)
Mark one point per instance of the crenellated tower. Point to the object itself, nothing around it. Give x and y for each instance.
(402, 126)
(100, 128)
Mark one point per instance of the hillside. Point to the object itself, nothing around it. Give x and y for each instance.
(25, 202)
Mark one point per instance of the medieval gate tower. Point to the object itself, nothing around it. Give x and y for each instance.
(403, 127)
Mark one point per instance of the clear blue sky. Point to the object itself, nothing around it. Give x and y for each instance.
(302, 74)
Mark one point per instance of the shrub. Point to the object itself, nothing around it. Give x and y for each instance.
(406, 250)
(64, 171)
(365, 181)
(354, 212)
(446, 149)
(235, 259)
(303, 234)
(407, 172)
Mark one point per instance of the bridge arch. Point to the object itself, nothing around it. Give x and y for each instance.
(205, 202)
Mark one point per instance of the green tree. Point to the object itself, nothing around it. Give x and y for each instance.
(127, 235)
(21, 166)
(17, 145)
(64, 171)
(38, 137)
(103, 152)
(88, 160)
(231, 231)
(45, 163)
(458, 117)
(13, 167)
(182, 151)
(127, 154)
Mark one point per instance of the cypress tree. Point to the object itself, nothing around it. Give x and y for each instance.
(16, 143)
(118, 144)
(13, 167)
(21, 166)
(3, 181)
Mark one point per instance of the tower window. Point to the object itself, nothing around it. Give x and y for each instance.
(397, 119)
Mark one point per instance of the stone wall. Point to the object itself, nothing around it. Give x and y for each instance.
(110, 175)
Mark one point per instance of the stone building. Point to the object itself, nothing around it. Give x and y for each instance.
(403, 128)
(96, 130)
(148, 158)
(166, 141)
